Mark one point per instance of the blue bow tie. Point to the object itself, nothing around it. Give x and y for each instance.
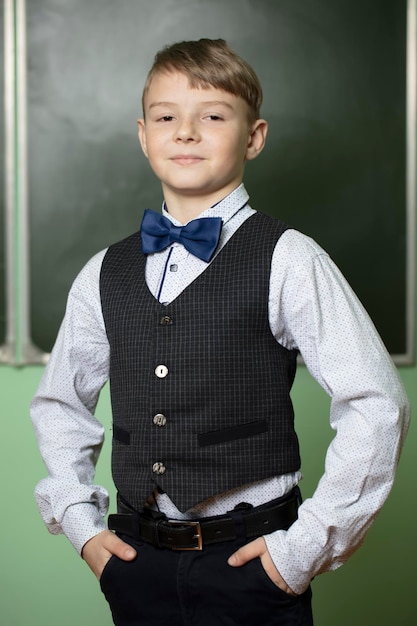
(200, 237)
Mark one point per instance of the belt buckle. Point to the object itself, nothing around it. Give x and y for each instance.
(198, 535)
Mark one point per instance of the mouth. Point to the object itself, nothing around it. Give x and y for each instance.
(186, 159)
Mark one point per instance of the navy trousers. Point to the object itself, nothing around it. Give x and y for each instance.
(162, 587)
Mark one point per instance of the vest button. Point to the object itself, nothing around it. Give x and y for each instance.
(159, 419)
(158, 468)
(166, 320)
(161, 371)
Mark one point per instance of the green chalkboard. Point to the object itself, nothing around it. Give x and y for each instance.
(335, 90)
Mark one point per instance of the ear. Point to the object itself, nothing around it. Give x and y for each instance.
(142, 135)
(257, 138)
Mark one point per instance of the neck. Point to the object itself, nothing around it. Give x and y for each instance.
(187, 208)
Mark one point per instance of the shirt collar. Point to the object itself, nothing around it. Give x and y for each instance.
(226, 208)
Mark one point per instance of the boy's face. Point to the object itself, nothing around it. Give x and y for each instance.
(197, 140)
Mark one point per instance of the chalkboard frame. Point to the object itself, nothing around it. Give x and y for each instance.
(2, 180)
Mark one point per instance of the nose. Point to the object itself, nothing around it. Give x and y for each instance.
(186, 131)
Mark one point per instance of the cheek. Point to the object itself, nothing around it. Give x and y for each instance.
(235, 153)
(152, 149)
(237, 144)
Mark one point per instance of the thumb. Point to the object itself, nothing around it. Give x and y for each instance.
(113, 544)
(99, 549)
(120, 548)
(247, 553)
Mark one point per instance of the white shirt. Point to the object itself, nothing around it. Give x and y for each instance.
(312, 309)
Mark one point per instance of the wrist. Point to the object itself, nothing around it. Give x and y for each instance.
(81, 523)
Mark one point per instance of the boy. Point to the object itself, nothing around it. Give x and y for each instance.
(199, 335)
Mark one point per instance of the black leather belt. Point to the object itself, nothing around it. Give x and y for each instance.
(155, 528)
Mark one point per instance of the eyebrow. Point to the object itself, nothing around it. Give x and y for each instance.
(208, 103)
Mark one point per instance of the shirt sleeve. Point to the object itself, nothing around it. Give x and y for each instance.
(70, 437)
(313, 309)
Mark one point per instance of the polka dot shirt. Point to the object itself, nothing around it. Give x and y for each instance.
(312, 309)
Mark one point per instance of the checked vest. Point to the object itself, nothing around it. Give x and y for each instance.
(200, 389)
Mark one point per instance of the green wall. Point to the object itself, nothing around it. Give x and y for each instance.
(43, 582)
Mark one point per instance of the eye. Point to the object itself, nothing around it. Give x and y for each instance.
(214, 118)
(166, 118)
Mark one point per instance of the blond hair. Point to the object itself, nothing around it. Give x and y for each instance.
(210, 63)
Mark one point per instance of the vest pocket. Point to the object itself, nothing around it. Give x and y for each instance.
(242, 431)
(121, 435)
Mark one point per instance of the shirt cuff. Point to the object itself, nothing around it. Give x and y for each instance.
(81, 522)
(297, 558)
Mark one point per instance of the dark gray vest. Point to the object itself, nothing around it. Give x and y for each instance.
(199, 388)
